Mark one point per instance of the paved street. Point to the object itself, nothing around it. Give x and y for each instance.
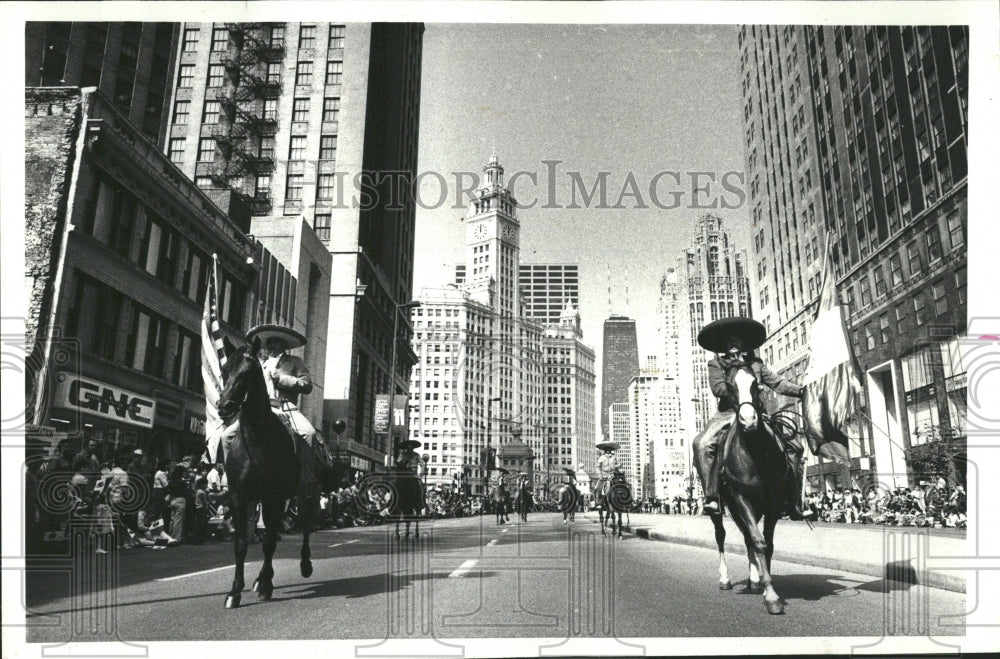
(470, 578)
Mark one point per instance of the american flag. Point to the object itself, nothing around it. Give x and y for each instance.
(831, 383)
(213, 358)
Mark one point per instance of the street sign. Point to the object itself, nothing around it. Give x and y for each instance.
(381, 414)
(399, 420)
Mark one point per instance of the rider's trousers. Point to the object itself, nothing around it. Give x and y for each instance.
(706, 453)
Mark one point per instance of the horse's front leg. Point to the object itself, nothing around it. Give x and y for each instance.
(725, 583)
(757, 547)
(306, 511)
(271, 509)
(239, 510)
(600, 518)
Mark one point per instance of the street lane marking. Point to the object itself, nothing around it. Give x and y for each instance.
(195, 574)
(462, 569)
(344, 543)
(492, 542)
(504, 530)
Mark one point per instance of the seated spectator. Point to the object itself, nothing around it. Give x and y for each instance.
(152, 531)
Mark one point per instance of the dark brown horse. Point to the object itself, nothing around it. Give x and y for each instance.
(614, 500)
(567, 498)
(395, 495)
(523, 500)
(499, 498)
(261, 465)
(753, 484)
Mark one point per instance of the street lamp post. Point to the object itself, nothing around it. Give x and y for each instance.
(489, 435)
(412, 304)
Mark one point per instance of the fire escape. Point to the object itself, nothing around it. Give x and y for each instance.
(246, 118)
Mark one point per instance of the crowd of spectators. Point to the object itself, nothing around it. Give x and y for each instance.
(122, 499)
(929, 504)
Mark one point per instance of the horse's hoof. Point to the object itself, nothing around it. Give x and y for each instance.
(306, 568)
(256, 585)
(726, 585)
(774, 608)
(233, 601)
(264, 594)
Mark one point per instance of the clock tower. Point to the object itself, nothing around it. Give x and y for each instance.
(491, 244)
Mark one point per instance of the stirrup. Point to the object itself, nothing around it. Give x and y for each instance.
(710, 508)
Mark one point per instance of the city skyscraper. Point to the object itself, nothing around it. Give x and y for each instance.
(545, 288)
(856, 141)
(287, 118)
(620, 364)
(130, 63)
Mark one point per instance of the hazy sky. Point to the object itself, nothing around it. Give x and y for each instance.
(622, 98)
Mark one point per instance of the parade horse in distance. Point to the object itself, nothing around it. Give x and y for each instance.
(522, 501)
(395, 495)
(499, 498)
(262, 465)
(614, 500)
(567, 498)
(753, 484)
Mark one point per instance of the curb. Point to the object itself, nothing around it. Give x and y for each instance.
(898, 571)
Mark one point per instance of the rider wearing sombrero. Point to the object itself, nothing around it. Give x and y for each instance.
(286, 377)
(734, 340)
(607, 465)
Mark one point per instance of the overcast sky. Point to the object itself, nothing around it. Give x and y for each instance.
(639, 99)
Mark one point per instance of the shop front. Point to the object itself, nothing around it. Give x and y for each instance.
(118, 419)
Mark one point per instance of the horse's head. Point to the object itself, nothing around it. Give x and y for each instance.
(744, 394)
(242, 375)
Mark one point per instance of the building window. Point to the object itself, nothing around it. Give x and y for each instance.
(933, 244)
(297, 150)
(206, 150)
(328, 147)
(324, 186)
(334, 71)
(267, 148)
(293, 190)
(203, 182)
(187, 363)
(956, 233)
(866, 294)
(93, 319)
(913, 257)
(220, 39)
(321, 225)
(331, 108)
(186, 76)
(879, 281)
(300, 109)
(883, 326)
(271, 109)
(216, 75)
(336, 36)
(304, 73)
(195, 276)
(181, 111)
(277, 36)
(263, 188)
(940, 299)
(274, 72)
(211, 112)
(147, 345)
(158, 251)
(918, 306)
(307, 37)
(896, 270)
(176, 151)
(190, 39)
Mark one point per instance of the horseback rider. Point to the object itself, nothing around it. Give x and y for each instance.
(733, 340)
(607, 465)
(286, 377)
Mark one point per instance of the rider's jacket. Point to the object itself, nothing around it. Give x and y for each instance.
(606, 465)
(717, 379)
(293, 379)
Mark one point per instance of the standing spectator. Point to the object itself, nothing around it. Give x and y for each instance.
(89, 453)
(159, 495)
(918, 497)
(217, 481)
(177, 491)
(200, 511)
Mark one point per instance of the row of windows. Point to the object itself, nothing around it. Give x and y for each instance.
(307, 37)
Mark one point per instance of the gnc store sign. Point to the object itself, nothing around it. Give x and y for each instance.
(103, 400)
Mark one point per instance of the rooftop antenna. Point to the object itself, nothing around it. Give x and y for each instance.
(609, 288)
(626, 290)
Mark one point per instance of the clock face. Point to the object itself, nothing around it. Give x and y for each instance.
(479, 232)
(508, 232)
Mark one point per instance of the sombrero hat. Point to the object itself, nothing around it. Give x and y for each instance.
(608, 446)
(409, 445)
(569, 472)
(715, 335)
(269, 331)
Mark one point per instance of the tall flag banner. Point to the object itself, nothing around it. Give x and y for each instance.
(832, 387)
(213, 358)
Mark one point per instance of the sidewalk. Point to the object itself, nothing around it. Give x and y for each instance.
(919, 556)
